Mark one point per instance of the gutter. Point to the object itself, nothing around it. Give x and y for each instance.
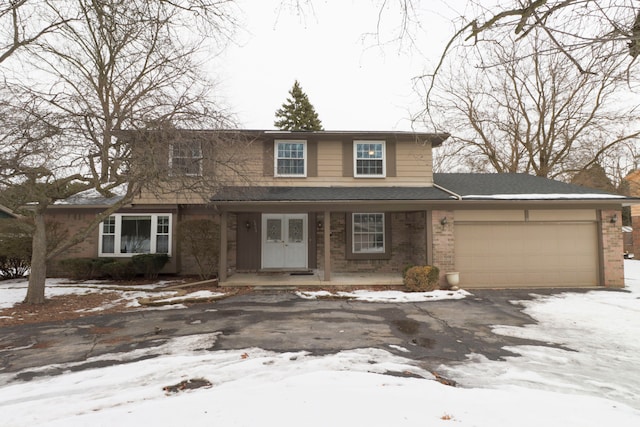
(456, 195)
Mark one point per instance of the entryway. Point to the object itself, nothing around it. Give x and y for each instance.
(284, 241)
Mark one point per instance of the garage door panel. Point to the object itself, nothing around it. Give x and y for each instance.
(527, 254)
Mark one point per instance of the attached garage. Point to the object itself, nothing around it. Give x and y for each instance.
(527, 248)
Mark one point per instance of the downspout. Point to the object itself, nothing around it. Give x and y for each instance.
(456, 195)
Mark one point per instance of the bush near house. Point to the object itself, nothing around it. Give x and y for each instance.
(84, 268)
(15, 249)
(422, 278)
(200, 240)
(149, 264)
(119, 270)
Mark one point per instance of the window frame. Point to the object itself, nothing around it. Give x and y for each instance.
(117, 234)
(196, 159)
(385, 254)
(305, 156)
(355, 158)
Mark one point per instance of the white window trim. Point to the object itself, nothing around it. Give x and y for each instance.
(118, 230)
(171, 157)
(355, 159)
(353, 233)
(275, 157)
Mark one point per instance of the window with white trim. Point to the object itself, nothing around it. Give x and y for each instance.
(368, 232)
(369, 159)
(290, 158)
(132, 234)
(186, 158)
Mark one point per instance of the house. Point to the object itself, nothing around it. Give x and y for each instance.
(359, 202)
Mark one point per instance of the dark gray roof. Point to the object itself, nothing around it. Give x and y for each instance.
(513, 186)
(310, 194)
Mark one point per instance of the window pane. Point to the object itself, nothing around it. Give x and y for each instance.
(186, 158)
(135, 234)
(162, 244)
(274, 230)
(109, 225)
(108, 244)
(290, 158)
(296, 230)
(368, 233)
(370, 158)
(163, 225)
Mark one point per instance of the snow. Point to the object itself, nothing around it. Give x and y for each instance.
(14, 291)
(542, 196)
(584, 374)
(387, 296)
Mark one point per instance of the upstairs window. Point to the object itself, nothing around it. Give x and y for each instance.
(290, 158)
(186, 158)
(369, 159)
(132, 234)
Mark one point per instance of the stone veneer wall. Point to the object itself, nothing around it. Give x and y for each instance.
(612, 248)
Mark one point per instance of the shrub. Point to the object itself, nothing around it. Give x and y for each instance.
(422, 278)
(84, 268)
(405, 269)
(119, 270)
(200, 239)
(149, 264)
(15, 249)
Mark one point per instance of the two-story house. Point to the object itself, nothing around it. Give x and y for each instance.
(347, 202)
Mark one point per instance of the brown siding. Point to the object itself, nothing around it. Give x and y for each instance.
(312, 159)
(390, 147)
(347, 158)
(267, 158)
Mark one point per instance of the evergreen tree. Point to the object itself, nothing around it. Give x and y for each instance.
(297, 113)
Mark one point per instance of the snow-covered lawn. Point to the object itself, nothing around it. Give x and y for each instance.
(593, 380)
(14, 291)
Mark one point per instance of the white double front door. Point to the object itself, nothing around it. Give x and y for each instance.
(284, 241)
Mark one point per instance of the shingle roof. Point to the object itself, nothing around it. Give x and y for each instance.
(306, 194)
(514, 186)
(92, 198)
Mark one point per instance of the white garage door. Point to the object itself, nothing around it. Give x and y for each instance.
(526, 254)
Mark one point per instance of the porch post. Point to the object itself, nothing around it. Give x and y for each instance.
(222, 270)
(327, 246)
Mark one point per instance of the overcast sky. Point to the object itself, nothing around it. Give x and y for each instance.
(354, 82)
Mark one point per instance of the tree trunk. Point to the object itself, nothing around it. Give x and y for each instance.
(35, 293)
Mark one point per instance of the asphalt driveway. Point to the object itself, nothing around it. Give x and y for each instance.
(431, 333)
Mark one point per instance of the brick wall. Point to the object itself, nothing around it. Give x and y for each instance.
(613, 261)
(443, 242)
(68, 223)
(407, 244)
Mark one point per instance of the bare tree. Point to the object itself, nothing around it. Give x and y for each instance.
(531, 110)
(24, 22)
(117, 64)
